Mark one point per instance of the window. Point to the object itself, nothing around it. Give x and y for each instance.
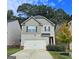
(47, 28)
(31, 29)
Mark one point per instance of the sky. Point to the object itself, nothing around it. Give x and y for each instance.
(64, 4)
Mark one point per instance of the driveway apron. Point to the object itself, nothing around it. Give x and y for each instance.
(32, 54)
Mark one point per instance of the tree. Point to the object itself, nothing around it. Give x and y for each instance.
(64, 35)
(25, 9)
(58, 16)
(9, 14)
(29, 10)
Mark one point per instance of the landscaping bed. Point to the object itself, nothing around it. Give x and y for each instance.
(58, 55)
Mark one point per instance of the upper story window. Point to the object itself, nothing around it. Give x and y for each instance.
(31, 29)
(47, 28)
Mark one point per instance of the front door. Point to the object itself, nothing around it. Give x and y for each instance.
(51, 40)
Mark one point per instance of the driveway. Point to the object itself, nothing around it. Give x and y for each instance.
(32, 54)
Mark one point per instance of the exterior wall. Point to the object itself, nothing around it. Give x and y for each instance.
(70, 46)
(31, 22)
(70, 29)
(46, 23)
(40, 29)
(57, 27)
(13, 33)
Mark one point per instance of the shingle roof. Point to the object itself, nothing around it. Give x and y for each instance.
(10, 21)
(36, 19)
(29, 19)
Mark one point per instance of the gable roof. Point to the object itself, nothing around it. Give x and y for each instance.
(11, 21)
(42, 17)
(37, 17)
(29, 19)
(70, 23)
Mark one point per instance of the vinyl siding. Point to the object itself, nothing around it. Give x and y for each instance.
(40, 29)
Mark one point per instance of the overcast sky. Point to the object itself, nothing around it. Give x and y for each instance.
(64, 4)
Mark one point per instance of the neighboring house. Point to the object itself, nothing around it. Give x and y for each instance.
(13, 33)
(70, 28)
(37, 32)
(57, 27)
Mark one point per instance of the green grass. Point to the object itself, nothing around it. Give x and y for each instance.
(12, 50)
(56, 55)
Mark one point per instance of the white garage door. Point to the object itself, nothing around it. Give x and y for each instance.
(35, 44)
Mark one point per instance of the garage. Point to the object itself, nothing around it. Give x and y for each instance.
(35, 44)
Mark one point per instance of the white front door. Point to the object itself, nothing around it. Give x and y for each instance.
(35, 44)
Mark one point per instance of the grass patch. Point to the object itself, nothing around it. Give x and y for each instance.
(57, 55)
(12, 50)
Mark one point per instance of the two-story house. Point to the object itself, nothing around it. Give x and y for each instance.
(37, 32)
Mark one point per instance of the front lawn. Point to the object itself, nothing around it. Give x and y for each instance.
(57, 55)
(12, 50)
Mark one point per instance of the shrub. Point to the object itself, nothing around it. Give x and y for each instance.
(50, 47)
(64, 53)
(55, 48)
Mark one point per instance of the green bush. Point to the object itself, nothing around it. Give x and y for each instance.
(50, 47)
(64, 53)
(55, 48)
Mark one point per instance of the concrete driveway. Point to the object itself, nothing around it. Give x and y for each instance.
(32, 54)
